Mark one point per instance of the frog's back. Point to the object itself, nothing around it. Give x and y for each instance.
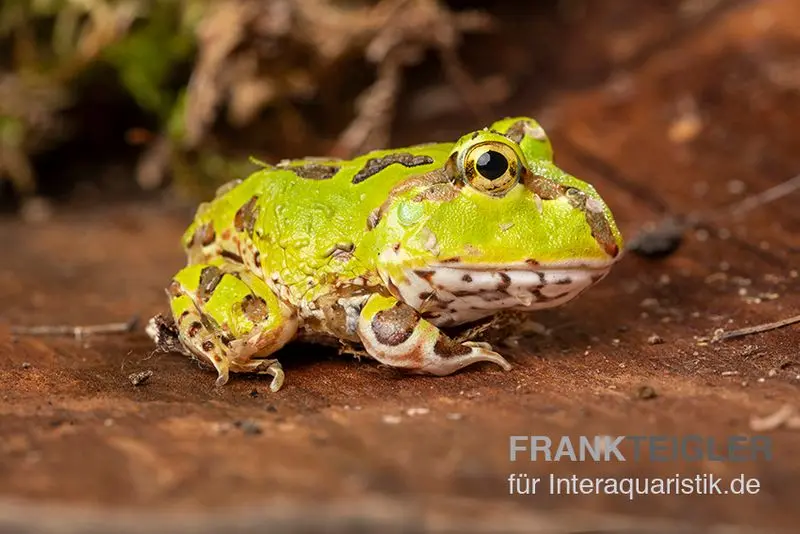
(290, 216)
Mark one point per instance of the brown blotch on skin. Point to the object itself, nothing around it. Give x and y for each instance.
(194, 328)
(374, 218)
(546, 189)
(531, 262)
(207, 346)
(466, 278)
(376, 165)
(505, 281)
(246, 216)
(597, 221)
(447, 348)
(205, 234)
(257, 258)
(516, 132)
(425, 275)
(425, 295)
(393, 289)
(537, 294)
(454, 259)
(209, 279)
(315, 171)
(228, 255)
(396, 247)
(341, 251)
(563, 281)
(438, 193)
(255, 308)
(174, 289)
(395, 325)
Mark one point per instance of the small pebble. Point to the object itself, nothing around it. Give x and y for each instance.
(137, 379)
(655, 339)
(26, 365)
(649, 303)
(391, 419)
(772, 372)
(646, 393)
(411, 412)
(736, 187)
(250, 428)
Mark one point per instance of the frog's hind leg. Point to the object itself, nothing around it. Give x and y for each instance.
(231, 319)
(394, 334)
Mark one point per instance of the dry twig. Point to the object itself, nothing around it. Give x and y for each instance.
(721, 335)
(77, 331)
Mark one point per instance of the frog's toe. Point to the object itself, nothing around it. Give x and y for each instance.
(275, 369)
(394, 334)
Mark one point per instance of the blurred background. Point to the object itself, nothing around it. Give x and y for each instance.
(103, 97)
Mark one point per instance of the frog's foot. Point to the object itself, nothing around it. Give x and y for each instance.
(394, 334)
(231, 320)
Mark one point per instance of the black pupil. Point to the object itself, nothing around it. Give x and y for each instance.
(492, 165)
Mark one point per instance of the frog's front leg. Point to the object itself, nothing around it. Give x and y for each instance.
(394, 334)
(231, 319)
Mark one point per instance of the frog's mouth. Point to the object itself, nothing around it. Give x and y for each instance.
(450, 293)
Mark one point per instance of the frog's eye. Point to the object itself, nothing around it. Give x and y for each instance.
(492, 168)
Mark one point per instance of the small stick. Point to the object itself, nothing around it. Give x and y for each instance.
(77, 331)
(765, 197)
(721, 336)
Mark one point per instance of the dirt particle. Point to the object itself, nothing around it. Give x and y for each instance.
(411, 412)
(140, 378)
(646, 393)
(658, 240)
(655, 339)
(390, 419)
(649, 303)
(786, 416)
(248, 427)
(26, 365)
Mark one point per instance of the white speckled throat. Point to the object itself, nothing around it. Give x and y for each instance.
(450, 294)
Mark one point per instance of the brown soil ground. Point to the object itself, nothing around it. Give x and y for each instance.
(689, 118)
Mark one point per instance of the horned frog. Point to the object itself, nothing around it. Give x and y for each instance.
(384, 250)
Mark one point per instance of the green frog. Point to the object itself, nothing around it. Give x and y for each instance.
(385, 250)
